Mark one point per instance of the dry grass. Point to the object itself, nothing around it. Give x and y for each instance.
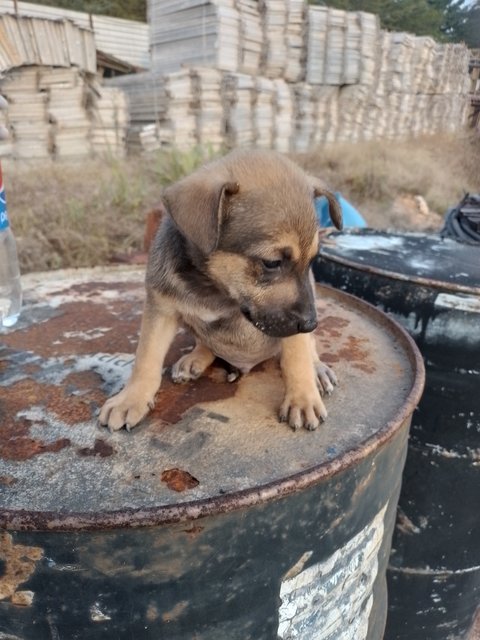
(374, 175)
(89, 213)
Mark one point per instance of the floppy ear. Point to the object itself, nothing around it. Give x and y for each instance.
(197, 206)
(335, 209)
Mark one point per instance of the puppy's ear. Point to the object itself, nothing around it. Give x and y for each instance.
(335, 209)
(197, 206)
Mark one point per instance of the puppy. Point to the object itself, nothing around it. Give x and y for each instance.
(231, 262)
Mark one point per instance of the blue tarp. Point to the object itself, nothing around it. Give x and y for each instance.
(351, 217)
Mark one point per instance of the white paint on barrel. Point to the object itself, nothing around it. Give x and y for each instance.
(353, 242)
(54, 370)
(96, 615)
(471, 304)
(332, 599)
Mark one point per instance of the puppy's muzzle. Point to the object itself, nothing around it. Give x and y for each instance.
(282, 323)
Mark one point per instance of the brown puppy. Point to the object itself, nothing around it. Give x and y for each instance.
(231, 262)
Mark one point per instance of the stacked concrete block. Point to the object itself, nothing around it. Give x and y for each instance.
(284, 116)
(47, 74)
(251, 37)
(264, 112)
(286, 75)
(208, 107)
(295, 37)
(194, 32)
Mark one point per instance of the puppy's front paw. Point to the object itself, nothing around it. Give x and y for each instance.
(326, 378)
(126, 409)
(303, 408)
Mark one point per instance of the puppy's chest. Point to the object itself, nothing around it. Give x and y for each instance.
(233, 338)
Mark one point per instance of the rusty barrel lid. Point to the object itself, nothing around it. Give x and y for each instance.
(208, 446)
(425, 259)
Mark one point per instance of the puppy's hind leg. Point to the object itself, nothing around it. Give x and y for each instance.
(193, 364)
(132, 404)
(326, 378)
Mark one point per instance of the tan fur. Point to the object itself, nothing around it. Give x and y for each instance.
(230, 262)
(302, 405)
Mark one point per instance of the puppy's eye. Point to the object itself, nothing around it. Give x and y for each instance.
(271, 265)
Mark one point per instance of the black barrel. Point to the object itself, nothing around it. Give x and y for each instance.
(432, 287)
(211, 521)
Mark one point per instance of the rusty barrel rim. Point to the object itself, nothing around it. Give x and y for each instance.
(329, 254)
(22, 519)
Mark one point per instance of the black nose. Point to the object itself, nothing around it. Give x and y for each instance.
(306, 325)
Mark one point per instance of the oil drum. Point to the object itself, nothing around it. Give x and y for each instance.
(210, 520)
(432, 287)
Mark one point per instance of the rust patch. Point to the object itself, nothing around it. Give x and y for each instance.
(61, 401)
(179, 480)
(100, 448)
(331, 326)
(399, 370)
(152, 612)
(20, 562)
(83, 381)
(23, 448)
(193, 531)
(15, 440)
(51, 339)
(354, 350)
(173, 400)
(175, 612)
(22, 598)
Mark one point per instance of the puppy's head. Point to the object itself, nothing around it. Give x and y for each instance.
(252, 217)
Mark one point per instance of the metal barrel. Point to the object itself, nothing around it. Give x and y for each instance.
(432, 287)
(211, 521)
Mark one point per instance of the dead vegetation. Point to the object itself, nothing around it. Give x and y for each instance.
(93, 212)
(383, 178)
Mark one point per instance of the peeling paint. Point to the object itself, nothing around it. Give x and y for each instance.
(471, 454)
(22, 598)
(332, 599)
(429, 571)
(100, 448)
(179, 480)
(63, 567)
(471, 304)
(90, 334)
(175, 612)
(367, 243)
(97, 615)
(298, 566)
(405, 525)
(152, 612)
(19, 564)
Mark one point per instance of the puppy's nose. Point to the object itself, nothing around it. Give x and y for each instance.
(306, 325)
